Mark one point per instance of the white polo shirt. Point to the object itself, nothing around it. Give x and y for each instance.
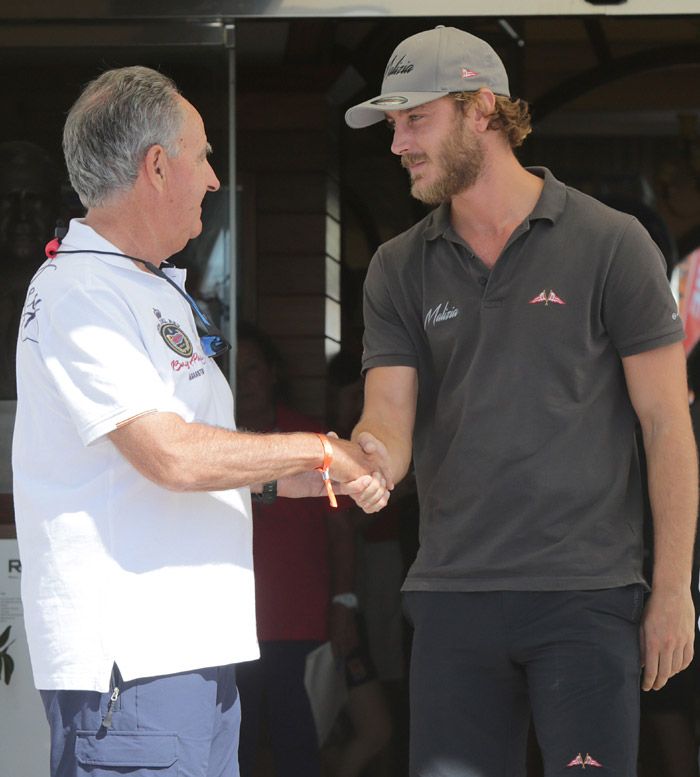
(114, 567)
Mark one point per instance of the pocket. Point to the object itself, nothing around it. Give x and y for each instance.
(625, 602)
(102, 754)
(638, 601)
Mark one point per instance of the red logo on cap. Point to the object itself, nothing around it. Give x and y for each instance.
(467, 73)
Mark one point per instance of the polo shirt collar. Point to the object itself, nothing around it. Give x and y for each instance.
(438, 222)
(549, 206)
(81, 236)
(552, 199)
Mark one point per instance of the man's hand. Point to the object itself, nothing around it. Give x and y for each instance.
(666, 636)
(369, 492)
(377, 451)
(372, 495)
(351, 462)
(305, 484)
(368, 487)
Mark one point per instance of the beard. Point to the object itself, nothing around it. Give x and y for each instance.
(460, 160)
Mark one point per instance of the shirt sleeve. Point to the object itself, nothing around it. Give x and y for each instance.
(387, 341)
(94, 353)
(639, 311)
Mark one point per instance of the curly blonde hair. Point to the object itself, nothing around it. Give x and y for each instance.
(512, 116)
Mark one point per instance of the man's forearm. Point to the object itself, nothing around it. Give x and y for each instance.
(673, 493)
(388, 418)
(195, 457)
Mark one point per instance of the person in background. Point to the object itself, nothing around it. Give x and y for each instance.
(512, 338)
(30, 204)
(381, 567)
(303, 553)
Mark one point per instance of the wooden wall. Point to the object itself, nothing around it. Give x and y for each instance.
(290, 224)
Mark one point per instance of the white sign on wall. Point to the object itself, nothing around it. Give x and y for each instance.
(24, 732)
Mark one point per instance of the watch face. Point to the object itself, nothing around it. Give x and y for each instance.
(347, 600)
(269, 492)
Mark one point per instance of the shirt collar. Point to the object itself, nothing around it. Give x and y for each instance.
(552, 199)
(438, 222)
(549, 206)
(82, 237)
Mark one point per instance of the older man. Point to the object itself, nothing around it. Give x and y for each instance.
(513, 336)
(131, 483)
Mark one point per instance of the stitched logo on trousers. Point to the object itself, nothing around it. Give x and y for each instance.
(584, 762)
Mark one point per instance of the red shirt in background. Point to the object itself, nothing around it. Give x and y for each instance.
(290, 553)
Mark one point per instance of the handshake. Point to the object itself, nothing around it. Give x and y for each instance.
(359, 469)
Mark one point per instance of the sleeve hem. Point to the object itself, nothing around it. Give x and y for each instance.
(649, 345)
(104, 426)
(389, 360)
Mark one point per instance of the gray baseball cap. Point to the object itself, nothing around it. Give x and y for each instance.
(428, 66)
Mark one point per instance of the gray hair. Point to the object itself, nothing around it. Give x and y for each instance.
(111, 126)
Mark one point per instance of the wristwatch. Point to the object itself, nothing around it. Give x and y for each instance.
(348, 600)
(268, 494)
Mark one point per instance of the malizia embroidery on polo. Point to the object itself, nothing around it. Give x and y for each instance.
(440, 313)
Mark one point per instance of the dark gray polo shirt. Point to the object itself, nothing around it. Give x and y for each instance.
(524, 447)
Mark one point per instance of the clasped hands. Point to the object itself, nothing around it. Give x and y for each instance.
(361, 471)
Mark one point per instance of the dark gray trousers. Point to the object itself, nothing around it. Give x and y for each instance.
(482, 662)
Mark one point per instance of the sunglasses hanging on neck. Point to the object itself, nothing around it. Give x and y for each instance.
(213, 341)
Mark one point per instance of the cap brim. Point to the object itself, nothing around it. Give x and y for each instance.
(372, 111)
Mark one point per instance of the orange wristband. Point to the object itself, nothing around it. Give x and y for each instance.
(324, 469)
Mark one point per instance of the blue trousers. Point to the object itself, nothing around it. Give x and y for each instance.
(181, 725)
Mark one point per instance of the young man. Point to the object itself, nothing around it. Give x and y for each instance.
(512, 337)
(131, 483)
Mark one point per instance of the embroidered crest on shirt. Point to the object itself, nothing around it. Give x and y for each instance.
(29, 324)
(584, 762)
(546, 297)
(173, 336)
(29, 321)
(440, 313)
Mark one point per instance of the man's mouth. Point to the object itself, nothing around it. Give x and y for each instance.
(413, 163)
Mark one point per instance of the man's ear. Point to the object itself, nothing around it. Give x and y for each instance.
(155, 164)
(484, 106)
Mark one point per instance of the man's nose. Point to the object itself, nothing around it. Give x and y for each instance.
(399, 142)
(213, 183)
